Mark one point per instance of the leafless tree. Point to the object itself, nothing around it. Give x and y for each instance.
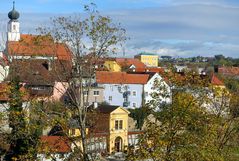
(89, 39)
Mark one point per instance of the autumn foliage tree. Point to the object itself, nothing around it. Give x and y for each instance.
(189, 128)
(23, 138)
(90, 39)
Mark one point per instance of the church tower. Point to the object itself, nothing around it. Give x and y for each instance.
(13, 28)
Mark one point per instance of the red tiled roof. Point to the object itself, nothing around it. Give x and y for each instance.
(33, 45)
(155, 69)
(126, 62)
(216, 81)
(121, 78)
(55, 144)
(229, 70)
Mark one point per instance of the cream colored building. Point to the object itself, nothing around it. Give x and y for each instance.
(148, 59)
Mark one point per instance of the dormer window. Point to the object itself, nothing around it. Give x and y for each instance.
(46, 65)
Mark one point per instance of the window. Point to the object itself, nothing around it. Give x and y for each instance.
(118, 124)
(96, 93)
(85, 93)
(39, 88)
(134, 104)
(110, 98)
(14, 27)
(119, 88)
(134, 93)
(146, 94)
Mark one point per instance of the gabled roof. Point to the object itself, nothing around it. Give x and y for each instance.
(121, 78)
(38, 45)
(216, 81)
(107, 109)
(55, 144)
(127, 62)
(234, 71)
(35, 72)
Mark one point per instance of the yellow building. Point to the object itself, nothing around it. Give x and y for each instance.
(113, 122)
(108, 129)
(148, 59)
(112, 66)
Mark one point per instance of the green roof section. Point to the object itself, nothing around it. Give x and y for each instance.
(145, 53)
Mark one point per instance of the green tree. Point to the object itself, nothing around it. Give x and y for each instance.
(89, 40)
(139, 115)
(197, 125)
(23, 139)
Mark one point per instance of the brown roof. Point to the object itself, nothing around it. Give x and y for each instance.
(107, 109)
(40, 71)
(121, 78)
(37, 45)
(55, 144)
(216, 81)
(127, 62)
(229, 70)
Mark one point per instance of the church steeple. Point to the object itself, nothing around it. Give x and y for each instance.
(13, 15)
(13, 25)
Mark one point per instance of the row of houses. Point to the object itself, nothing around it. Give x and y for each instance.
(44, 68)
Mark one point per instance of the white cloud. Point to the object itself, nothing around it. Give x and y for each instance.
(183, 29)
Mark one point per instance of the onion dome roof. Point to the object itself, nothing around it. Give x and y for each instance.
(13, 14)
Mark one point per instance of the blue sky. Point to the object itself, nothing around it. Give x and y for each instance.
(166, 27)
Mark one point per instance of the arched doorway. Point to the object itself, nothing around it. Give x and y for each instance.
(118, 144)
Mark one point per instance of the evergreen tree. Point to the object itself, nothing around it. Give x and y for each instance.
(22, 139)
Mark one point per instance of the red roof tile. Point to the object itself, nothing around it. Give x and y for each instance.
(55, 144)
(33, 45)
(121, 78)
(126, 62)
(229, 70)
(155, 69)
(216, 81)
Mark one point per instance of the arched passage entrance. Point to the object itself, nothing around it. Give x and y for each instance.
(118, 144)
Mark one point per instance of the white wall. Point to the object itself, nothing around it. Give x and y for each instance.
(150, 88)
